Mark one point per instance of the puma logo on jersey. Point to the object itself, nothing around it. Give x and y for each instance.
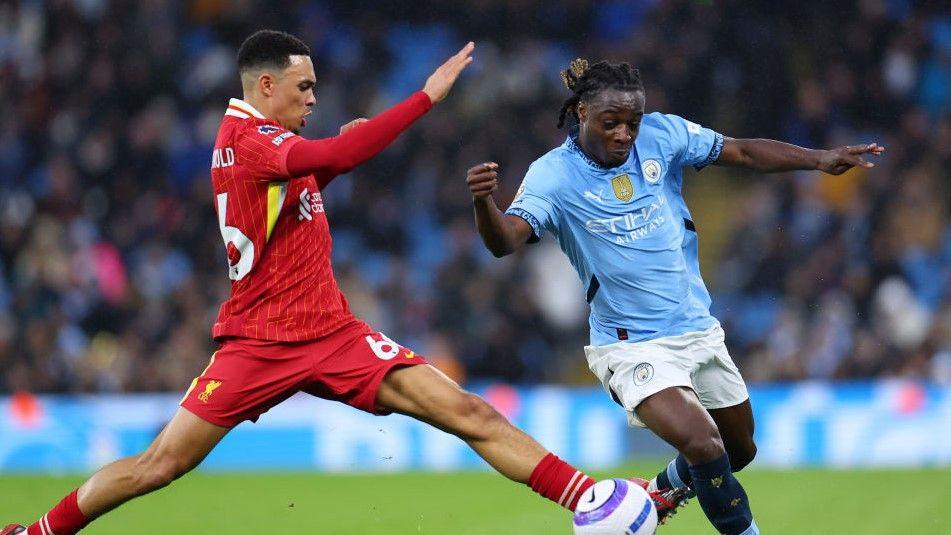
(596, 197)
(310, 204)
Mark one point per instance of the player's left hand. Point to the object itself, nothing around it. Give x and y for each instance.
(840, 160)
(353, 123)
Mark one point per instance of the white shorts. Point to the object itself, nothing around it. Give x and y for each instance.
(631, 372)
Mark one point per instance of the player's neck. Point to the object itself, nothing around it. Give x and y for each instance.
(585, 148)
(258, 104)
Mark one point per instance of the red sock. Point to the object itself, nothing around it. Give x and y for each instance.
(64, 518)
(558, 481)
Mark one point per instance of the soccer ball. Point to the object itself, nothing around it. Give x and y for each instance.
(615, 507)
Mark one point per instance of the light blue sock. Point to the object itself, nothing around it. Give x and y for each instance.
(677, 474)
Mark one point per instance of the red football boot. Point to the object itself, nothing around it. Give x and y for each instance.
(13, 528)
(666, 501)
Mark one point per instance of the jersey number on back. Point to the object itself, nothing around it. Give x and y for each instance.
(234, 236)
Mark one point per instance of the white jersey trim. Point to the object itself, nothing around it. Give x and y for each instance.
(242, 106)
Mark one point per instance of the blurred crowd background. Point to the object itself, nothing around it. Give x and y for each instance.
(112, 267)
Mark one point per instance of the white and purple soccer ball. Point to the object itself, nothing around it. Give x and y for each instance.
(615, 507)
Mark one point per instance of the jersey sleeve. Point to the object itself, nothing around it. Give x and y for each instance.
(535, 201)
(329, 157)
(262, 149)
(693, 144)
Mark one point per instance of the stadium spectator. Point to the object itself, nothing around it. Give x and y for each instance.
(110, 260)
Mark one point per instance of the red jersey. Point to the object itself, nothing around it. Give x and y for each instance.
(273, 223)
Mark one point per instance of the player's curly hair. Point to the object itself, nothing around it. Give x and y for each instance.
(269, 48)
(585, 80)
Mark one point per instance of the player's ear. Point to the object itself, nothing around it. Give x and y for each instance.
(582, 110)
(266, 83)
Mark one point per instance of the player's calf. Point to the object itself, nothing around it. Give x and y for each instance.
(507, 449)
(490, 433)
(722, 498)
(426, 394)
(677, 473)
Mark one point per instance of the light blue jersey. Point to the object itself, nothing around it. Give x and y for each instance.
(627, 230)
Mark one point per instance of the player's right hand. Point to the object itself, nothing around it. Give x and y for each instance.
(440, 81)
(483, 179)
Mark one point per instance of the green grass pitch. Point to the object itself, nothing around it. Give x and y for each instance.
(794, 502)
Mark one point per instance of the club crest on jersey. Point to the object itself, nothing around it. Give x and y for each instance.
(651, 170)
(267, 129)
(623, 189)
(521, 190)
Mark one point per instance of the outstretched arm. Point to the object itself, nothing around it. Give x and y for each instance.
(502, 233)
(767, 156)
(362, 139)
(356, 143)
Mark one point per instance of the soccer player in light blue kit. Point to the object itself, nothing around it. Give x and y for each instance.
(611, 196)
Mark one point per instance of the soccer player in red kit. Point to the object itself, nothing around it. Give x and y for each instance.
(287, 327)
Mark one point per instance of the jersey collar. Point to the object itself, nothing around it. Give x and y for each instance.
(574, 146)
(241, 109)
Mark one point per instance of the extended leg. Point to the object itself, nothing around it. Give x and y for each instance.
(184, 442)
(428, 395)
(735, 425)
(677, 416)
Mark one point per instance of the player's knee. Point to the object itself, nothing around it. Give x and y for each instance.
(742, 456)
(156, 471)
(702, 447)
(474, 416)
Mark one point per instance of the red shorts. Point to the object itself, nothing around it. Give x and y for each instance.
(247, 377)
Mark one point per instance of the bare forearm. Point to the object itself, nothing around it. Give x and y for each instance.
(494, 229)
(768, 156)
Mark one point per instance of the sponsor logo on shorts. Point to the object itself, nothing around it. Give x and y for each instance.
(410, 353)
(643, 373)
(209, 390)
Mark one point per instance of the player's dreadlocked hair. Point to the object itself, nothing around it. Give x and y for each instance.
(585, 80)
(269, 48)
